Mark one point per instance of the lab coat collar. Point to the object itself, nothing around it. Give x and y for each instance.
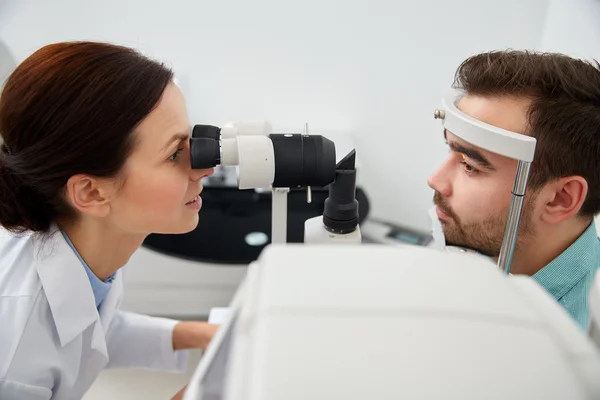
(68, 290)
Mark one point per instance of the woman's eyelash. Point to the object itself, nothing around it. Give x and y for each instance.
(175, 155)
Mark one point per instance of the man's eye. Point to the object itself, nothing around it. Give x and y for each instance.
(469, 169)
(175, 155)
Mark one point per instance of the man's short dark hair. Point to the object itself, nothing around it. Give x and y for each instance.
(564, 115)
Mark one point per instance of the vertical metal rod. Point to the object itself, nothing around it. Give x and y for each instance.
(514, 217)
(308, 189)
(279, 215)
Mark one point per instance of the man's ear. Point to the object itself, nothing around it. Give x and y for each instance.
(563, 198)
(89, 195)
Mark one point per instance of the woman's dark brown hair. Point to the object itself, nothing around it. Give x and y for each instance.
(70, 108)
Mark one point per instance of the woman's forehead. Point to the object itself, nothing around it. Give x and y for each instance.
(169, 117)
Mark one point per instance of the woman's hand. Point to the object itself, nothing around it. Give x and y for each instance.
(179, 395)
(193, 335)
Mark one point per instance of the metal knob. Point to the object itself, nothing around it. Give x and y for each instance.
(439, 114)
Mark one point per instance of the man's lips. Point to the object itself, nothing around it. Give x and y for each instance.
(443, 215)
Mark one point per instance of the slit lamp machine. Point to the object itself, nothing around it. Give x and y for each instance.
(322, 321)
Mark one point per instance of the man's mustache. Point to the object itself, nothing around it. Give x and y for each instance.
(438, 200)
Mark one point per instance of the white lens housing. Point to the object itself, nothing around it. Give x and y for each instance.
(256, 168)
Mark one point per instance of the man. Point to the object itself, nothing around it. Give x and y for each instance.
(555, 99)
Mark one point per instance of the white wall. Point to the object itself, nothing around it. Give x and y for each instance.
(375, 69)
(573, 27)
(7, 8)
(7, 65)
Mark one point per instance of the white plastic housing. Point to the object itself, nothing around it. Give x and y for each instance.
(401, 323)
(256, 162)
(245, 128)
(392, 323)
(315, 232)
(594, 302)
(229, 152)
(488, 137)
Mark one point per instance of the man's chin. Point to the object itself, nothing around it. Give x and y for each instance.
(465, 244)
(461, 245)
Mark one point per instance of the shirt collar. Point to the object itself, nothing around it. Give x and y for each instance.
(572, 265)
(100, 288)
(66, 286)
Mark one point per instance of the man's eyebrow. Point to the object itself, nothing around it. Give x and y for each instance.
(178, 137)
(470, 152)
(473, 154)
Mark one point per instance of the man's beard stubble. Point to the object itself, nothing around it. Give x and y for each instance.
(484, 236)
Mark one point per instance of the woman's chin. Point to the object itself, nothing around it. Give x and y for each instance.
(189, 225)
(179, 227)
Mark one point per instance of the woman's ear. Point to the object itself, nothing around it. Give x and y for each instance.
(89, 195)
(564, 198)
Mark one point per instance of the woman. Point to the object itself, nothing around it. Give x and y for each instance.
(95, 158)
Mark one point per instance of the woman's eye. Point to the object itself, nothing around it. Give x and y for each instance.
(175, 155)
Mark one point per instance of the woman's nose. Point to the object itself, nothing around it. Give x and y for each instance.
(198, 174)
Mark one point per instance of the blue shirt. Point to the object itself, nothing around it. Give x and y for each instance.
(569, 277)
(100, 288)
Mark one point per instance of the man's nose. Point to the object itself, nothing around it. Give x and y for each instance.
(440, 181)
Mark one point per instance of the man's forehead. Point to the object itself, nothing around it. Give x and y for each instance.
(506, 112)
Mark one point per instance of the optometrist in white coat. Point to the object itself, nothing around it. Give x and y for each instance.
(95, 157)
(53, 340)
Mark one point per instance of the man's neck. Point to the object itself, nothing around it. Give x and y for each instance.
(550, 242)
(104, 249)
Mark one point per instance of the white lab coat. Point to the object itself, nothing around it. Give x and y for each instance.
(53, 341)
